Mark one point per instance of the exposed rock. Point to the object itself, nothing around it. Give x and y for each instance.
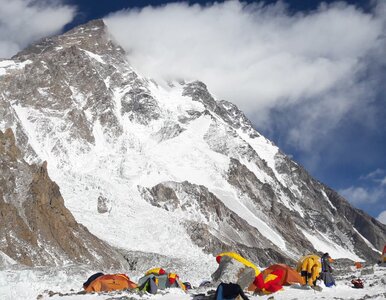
(168, 131)
(221, 229)
(232, 271)
(369, 227)
(140, 105)
(199, 92)
(226, 110)
(36, 228)
(103, 204)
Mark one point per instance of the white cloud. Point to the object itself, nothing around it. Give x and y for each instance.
(25, 21)
(261, 57)
(382, 217)
(374, 175)
(360, 195)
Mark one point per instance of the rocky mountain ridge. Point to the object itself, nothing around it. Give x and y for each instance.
(36, 228)
(167, 169)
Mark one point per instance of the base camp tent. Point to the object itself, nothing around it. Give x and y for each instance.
(290, 276)
(109, 282)
(309, 267)
(383, 256)
(158, 279)
(256, 282)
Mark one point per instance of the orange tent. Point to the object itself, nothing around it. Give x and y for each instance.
(290, 275)
(358, 265)
(110, 282)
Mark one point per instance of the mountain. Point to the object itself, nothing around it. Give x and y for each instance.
(167, 169)
(36, 228)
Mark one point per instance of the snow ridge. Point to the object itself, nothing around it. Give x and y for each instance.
(109, 133)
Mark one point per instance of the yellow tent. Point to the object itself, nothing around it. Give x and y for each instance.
(309, 267)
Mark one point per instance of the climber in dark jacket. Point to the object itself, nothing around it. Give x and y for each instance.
(229, 291)
(326, 275)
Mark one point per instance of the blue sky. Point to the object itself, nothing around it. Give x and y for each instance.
(310, 75)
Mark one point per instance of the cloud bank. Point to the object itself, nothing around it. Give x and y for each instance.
(262, 57)
(25, 21)
(361, 195)
(382, 217)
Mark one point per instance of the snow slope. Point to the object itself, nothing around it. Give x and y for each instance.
(108, 134)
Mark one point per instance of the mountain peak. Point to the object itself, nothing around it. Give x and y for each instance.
(126, 151)
(92, 36)
(93, 28)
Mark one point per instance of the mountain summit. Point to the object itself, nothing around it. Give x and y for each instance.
(167, 169)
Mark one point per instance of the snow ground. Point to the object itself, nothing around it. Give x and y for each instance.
(45, 283)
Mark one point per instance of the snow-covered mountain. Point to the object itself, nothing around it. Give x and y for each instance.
(167, 169)
(36, 228)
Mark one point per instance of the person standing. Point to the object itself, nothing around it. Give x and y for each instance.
(326, 274)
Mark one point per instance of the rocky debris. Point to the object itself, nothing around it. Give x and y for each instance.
(35, 226)
(212, 225)
(367, 271)
(168, 131)
(232, 271)
(140, 105)
(367, 226)
(321, 205)
(139, 262)
(266, 199)
(104, 205)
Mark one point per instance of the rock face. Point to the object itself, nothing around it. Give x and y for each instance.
(212, 225)
(233, 271)
(170, 165)
(36, 227)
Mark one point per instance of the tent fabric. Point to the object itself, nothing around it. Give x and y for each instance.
(91, 279)
(383, 257)
(148, 284)
(172, 277)
(168, 280)
(110, 282)
(309, 267)
(358, 265)
(155, 271)
(272, 283)
(290, 276)
(240, 259)
(269, 284)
